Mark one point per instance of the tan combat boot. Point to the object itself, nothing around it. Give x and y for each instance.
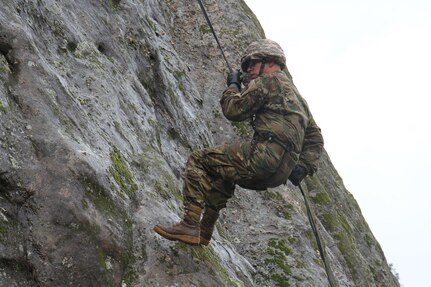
(187, 230)
(207, 225)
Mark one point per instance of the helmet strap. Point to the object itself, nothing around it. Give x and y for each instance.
(262, 67)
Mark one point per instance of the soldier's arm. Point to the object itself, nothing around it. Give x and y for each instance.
(312, 147)
(240, 106)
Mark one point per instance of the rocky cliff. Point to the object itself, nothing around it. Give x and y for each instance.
(101, 101)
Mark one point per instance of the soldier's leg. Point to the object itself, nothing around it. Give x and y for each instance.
(188, 230)
(211, 174)
(209, 180)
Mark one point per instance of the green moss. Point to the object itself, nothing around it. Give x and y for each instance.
(91, 229)
(321, 198)
(179, 77)
(161, 190)
(298, 278)
(114, 4)
(181, 87)
(347, 248)
(313, 184)
(337, 224)
(83, 101)
(174, 135)
(334, 221)
(2, 107)
(272, 195)
(318, 261)
(279, 251)
(310, 237)
(151, 23)
(287, 215)
(99, 196)
(142, 163)
(121, 174)
(299, 263)
(280, 245)
(150, 88)
(204, 29)
(292, 239)
(171, 94)
(345, 224)
(71, 47)
(211, 260)
(104, 263)
(57, 29)
(280, 280)
(352, 202)
(234, 33)
(101, 256)
(127, 261)
(178, 74)
(166, 188)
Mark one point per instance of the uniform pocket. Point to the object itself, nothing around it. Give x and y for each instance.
(266, 158)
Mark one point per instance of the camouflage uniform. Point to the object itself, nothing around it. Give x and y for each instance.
(285, 135)
(286, 139)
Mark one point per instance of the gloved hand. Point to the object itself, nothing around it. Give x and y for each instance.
(298, 174)
(234, 78)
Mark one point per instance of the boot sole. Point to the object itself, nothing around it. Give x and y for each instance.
(188, 239)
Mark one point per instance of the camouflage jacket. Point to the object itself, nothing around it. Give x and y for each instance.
(277, 107)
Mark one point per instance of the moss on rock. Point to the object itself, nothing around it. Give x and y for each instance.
(278, 252)
(121, 174)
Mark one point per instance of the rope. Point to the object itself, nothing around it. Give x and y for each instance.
(215, 36)
(328, 270)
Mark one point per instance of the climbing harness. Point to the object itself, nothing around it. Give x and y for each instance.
(322, 252)
(215, 36)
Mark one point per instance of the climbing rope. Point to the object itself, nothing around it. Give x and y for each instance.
(322, 252)
(215, 36)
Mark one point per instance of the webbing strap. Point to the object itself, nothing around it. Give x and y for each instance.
(215, 36)
(322, 252)
(287, 146)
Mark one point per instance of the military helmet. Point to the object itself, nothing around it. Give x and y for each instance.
(265, 50)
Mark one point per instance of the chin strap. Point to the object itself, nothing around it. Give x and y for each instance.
(262, 67)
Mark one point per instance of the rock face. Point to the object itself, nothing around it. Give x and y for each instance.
(101, 102)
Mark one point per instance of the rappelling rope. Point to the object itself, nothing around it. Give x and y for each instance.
(215, 36)
(322, 252)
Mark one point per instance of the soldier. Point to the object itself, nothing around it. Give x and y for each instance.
(286, 144)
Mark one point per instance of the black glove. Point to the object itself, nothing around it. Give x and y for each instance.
(298, 174)
(234, 78)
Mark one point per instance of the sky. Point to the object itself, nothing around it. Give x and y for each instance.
(364, 68)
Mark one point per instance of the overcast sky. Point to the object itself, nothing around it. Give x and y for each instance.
(364, 68)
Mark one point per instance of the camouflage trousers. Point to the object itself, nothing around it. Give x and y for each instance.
(211, 174)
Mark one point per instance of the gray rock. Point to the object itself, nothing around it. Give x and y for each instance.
(100, 104)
